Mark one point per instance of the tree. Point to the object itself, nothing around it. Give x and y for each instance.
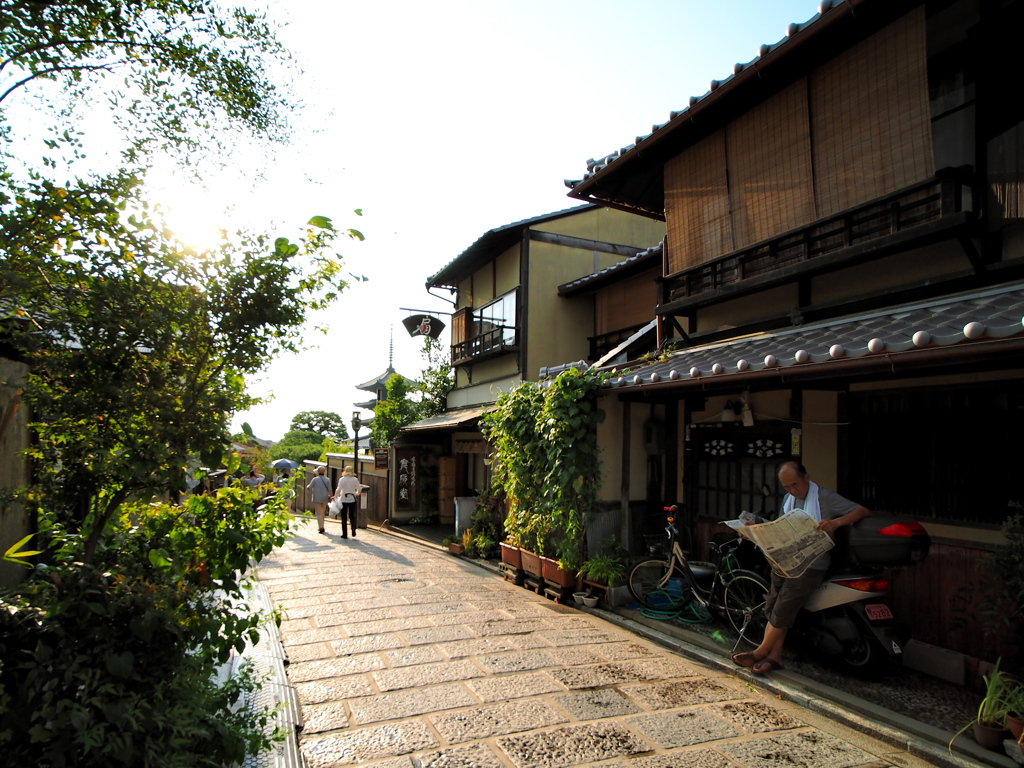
(390, 415)
(140, 348)
(324, 423)
(173, 69)
(298, 445)
(436, 379)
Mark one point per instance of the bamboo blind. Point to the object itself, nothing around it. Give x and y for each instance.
(855, 130)
(697, 204)
(625, 303)
(770, 178)
(870, 117)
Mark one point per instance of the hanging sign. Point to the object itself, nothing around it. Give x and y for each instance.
(423, 325)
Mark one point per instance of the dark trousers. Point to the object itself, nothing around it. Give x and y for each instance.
(348, 513)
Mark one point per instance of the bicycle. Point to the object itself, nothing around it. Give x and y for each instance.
(722, 587)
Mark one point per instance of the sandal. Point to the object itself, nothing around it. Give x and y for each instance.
(745, 659)
(766, 665)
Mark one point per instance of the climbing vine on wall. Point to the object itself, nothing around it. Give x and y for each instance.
(547, 461)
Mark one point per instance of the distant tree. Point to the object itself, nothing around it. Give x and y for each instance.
(298, 445)
(324, 423)
(436, 379)
(399, 410)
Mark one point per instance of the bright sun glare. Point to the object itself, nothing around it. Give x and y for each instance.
(189, 211)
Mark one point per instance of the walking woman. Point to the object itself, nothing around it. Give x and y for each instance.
(321, 488)
(349, 489)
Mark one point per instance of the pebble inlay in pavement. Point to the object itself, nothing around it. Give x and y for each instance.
(405, 657)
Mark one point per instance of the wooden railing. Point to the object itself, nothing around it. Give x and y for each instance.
(493, 342)
(909, 208)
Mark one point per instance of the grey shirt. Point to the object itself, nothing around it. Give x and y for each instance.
(321, 488)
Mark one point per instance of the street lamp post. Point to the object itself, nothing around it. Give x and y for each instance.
(357, 422)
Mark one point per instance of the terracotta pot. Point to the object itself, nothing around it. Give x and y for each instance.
(551, 572)
(988, 735)
(511, 555)
(455, 549)
(531, 562)
(1016, 726)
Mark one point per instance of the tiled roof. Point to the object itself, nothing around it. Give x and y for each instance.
(379, 381)
(596, 165)
(892, 336)
(491, 242)
(616, 271)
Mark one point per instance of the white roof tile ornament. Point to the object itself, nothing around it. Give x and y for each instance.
(836, 351)
(803, 356)
(718, 368)
(655, 377)
(770, 361)
(694, 372)
(742, 365)
(638, 379)
(674, 374)
(876, 345)
(922, 339)
(974, 330)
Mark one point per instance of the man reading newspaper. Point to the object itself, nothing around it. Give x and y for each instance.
(788, 594)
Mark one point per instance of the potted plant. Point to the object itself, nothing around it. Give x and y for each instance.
(606, 572)
(454, 544)
(485, 545)
(1002, 601)
(990, 721)
(552, 570)
(1015, 708)
(469, 543)
(511, 554)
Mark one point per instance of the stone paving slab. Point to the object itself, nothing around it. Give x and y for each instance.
(426, 674)
(352, 748)
(808, 749)
(302, 672)
(682, 728)
(597, 705)
(500, 720)
(514, 686)
(403, 704)
(572, 746)
(403, 657)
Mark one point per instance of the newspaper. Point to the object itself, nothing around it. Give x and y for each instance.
(790, 543)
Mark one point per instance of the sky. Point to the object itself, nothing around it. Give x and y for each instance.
(441, 121)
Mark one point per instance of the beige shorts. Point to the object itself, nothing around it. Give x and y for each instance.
(787, 597)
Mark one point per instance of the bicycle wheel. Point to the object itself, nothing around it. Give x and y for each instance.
(744, 597)
(657, 585)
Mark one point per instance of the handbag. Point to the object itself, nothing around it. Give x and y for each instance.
(335, 507)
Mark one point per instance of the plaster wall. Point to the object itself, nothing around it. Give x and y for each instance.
(484, 392)
(610, 226)
(821, 436)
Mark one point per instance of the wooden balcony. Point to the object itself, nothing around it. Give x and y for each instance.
(497, 341)
(925, 212)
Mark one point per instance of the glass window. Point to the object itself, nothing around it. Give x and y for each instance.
(500, 314)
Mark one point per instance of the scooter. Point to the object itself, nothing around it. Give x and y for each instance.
(848, 616)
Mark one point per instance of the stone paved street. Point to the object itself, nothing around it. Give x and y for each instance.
(406, 657)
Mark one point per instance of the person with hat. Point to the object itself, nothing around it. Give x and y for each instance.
(349, 489)
(321, 488)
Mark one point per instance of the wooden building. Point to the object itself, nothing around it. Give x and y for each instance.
(842, 279)
(509, 326)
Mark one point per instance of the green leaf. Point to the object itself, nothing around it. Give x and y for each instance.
(320, 221)
(16, 554)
